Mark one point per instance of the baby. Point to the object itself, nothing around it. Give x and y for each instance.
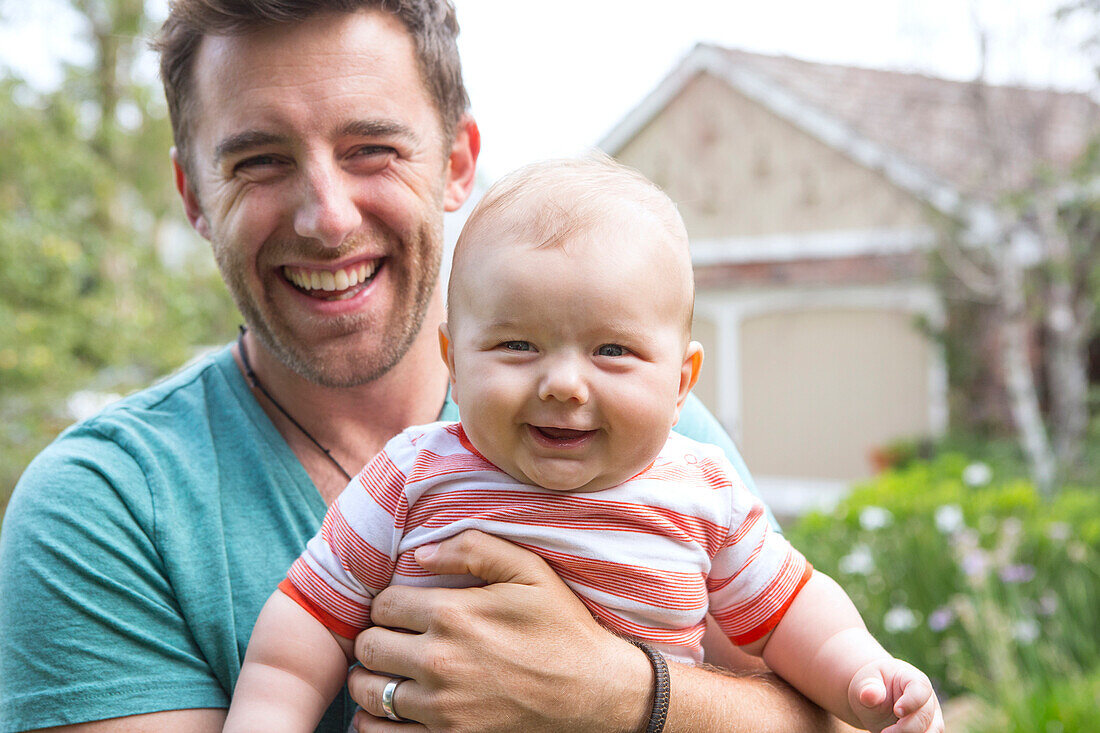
(568, 344)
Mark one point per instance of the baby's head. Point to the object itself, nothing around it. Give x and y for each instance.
(569, 324)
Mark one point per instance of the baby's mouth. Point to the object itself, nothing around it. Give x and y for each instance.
(560, 437)
(332, 284)
(561, 433)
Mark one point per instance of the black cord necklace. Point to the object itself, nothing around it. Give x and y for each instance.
(256, 383)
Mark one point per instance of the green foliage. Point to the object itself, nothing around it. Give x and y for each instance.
(964, 570)
(1061, 706)
(86, 302)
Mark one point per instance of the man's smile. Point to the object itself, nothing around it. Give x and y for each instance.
(335, 284)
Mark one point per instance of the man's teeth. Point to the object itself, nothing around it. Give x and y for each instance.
(328, 280)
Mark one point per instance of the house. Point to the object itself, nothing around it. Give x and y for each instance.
(810, 193)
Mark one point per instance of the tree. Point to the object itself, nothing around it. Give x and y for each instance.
(86, 299)
(1036, 268)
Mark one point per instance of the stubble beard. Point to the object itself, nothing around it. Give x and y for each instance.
(335, 367)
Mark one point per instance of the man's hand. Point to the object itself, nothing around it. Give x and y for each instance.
(521, 653)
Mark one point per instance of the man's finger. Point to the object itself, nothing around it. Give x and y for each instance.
(413, 608)
(490, 558)
(389, 652)
(366, 689)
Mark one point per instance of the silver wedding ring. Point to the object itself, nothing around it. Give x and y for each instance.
(387, 700)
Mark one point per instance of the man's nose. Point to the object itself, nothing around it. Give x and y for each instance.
(326, 211)
(563, 380)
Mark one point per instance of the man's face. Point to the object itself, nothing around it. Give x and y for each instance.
(320, 174)
(568, 363)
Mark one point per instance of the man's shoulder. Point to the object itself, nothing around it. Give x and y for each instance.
(170, 416)
(173, 404)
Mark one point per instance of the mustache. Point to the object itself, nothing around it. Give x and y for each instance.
(304, 248)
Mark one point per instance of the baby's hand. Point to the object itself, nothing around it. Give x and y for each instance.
(893, 696)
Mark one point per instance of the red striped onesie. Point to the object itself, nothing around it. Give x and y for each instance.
(648, 557)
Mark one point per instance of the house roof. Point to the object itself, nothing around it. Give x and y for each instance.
(948, 142)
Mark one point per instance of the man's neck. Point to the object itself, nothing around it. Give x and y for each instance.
(354, 422)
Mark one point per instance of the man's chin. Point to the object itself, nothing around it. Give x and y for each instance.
(344, 369)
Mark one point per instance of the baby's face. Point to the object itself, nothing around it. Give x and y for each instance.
(569, 364)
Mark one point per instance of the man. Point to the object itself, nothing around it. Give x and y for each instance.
(316, 150)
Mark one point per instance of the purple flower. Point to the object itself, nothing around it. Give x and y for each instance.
(941, 618)
(1017, 573)
(975, 563)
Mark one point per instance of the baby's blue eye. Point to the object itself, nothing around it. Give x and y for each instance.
(517, 346)
(610, 350)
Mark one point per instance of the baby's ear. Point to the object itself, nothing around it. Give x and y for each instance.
(689, 372)
(446, 349)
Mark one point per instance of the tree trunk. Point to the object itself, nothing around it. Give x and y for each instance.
(1067, 370)
(1019, 377)
(1068, 321)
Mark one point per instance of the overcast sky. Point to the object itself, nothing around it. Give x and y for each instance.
(551, 78)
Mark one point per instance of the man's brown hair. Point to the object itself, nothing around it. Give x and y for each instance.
(431, 24)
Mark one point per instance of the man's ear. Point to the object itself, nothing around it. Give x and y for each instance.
(689, 373)
(191, 205)
(462, 164)
(446, 350)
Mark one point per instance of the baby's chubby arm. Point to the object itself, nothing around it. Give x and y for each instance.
(822, 647)
(293, 669)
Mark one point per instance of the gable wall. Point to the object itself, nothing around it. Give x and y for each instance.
(737, 169)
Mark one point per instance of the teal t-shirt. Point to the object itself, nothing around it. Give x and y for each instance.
(138, 549)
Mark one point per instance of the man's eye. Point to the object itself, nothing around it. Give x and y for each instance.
(261, 169)
(369, 150)
(517, 346)
(257, 161)
(610, 350)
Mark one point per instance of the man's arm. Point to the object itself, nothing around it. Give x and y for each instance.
(523, 653)
(91, 629)
(202, 720)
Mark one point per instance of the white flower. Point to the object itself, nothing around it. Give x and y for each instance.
(85, 403)
(875, 517)
(1058, 531)
(949, 518)
(1012, 528)
(1048, 604)
(977, 474)
(1026, 630)
(859, 561)
(899, 618)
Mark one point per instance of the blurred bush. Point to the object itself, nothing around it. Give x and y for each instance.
(965, 571)
(88, 301)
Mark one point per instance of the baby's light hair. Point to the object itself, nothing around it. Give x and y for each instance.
(551, 202)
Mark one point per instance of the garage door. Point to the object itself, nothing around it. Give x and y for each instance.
(820, 389)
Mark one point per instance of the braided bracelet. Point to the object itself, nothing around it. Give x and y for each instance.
(660, 690)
